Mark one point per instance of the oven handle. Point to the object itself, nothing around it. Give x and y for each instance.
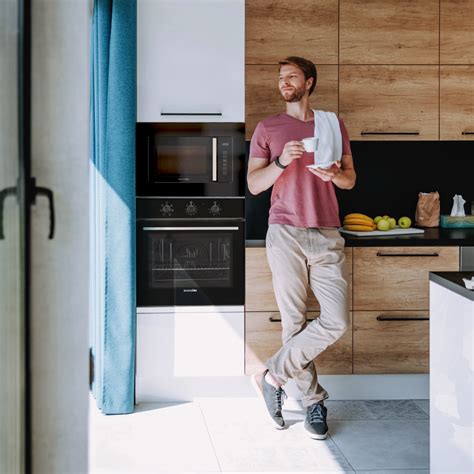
(214, 158)
(190, 228)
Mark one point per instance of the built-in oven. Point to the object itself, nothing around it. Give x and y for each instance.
(190, 159)
(190, 252)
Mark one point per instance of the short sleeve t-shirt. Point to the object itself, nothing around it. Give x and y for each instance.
(299, 198)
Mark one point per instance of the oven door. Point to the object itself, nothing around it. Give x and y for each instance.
(190, 262)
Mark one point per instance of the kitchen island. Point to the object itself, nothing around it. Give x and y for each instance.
(451, 373)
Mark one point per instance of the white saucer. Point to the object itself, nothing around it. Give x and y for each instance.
(321, 165)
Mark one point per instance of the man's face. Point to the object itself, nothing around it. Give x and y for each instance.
(292, 84)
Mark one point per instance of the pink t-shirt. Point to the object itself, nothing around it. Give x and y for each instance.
(299, 198)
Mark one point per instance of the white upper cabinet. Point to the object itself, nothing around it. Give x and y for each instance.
(191, 56)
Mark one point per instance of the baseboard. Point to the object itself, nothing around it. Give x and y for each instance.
(339, 387)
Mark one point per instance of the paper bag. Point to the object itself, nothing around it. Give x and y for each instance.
(427, 210)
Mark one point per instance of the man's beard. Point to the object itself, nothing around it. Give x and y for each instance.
(295, 96)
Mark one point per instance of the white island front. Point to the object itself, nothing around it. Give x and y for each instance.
(451, 373)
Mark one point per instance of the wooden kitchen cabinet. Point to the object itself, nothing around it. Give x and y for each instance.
(389, 102)
(259, 294)
(275, 29)
(263, 339)
(389, 32)
(391, 342)
(262, 97)
(396, 278)
(457, 102)
(457, 32)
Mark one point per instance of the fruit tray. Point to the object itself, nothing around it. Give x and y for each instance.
(381, 233)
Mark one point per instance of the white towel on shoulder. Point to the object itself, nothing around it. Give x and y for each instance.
(328, 130)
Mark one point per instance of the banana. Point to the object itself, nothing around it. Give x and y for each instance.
(360, 228)
(357, 215)
(357, 221)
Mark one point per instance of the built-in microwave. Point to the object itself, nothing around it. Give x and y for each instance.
(190, 159)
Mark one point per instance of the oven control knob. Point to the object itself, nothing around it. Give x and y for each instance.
(215, 209)
(191, 209)
(167, 209)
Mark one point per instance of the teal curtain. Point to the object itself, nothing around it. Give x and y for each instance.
(112, 204)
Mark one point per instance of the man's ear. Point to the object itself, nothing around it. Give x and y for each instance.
(309, 83)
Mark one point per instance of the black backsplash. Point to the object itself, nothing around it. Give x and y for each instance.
(389, 177)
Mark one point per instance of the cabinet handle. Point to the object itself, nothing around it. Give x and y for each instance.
(381, 317)
(191, 113)
(467, 132)
(389, 133)
(381, 254)
(277, 320)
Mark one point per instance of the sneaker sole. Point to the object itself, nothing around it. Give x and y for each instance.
(257, 387)
(316, 436)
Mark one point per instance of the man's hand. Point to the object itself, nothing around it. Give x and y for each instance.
(291, 151)
(329, 173)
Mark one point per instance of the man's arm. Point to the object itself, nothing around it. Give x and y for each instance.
(342, 174)
(261, 175)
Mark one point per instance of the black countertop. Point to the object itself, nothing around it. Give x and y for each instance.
(435, 236)
(453, 281)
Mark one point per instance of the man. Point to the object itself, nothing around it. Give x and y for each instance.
(304, 247)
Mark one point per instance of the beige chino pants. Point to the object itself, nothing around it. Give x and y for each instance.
(300, 258)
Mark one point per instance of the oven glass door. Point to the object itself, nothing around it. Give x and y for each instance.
(183, 160)
(190, 262)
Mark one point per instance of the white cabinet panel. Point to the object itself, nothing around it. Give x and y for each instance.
(190, 59)
(175, 345)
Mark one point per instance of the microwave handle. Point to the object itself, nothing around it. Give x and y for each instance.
(214, 158)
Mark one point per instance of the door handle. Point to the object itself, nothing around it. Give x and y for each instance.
(41, 191)
(34, 191)
(4, 193)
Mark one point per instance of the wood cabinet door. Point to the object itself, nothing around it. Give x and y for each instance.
(262, 97)
(263, 339)
(259, 293)
(392, 342)
(397, 278)
(389, 32)
(457, 102)
(389, 102)
(275, 29)
(457, 32)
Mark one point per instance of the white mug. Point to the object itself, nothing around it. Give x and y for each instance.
(310, 144)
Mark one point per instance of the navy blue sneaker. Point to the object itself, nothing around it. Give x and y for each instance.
(272, 398)
(315, 422)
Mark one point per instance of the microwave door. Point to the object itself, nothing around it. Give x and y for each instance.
(183, 160)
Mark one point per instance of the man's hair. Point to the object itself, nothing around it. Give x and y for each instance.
(308, 68)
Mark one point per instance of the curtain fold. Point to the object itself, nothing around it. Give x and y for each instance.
(112, 204)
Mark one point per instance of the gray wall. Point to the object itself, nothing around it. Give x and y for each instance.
(60, 141)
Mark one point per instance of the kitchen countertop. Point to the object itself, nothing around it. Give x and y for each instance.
(453, 281)
(435, 236)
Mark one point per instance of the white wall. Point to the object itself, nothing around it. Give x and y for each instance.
(60, 146)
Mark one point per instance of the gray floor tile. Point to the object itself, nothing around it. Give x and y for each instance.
(383, 444)
(396, 471)
(395, 410)
(152, 439)
(348, 410)
(424, 405)
(244, 440)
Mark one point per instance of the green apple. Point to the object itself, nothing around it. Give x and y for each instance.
(392, 223)
(404, 222)
(383, 224)
(386, 217)
(376, 219)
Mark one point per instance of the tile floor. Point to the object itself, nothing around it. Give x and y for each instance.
(233, 435)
